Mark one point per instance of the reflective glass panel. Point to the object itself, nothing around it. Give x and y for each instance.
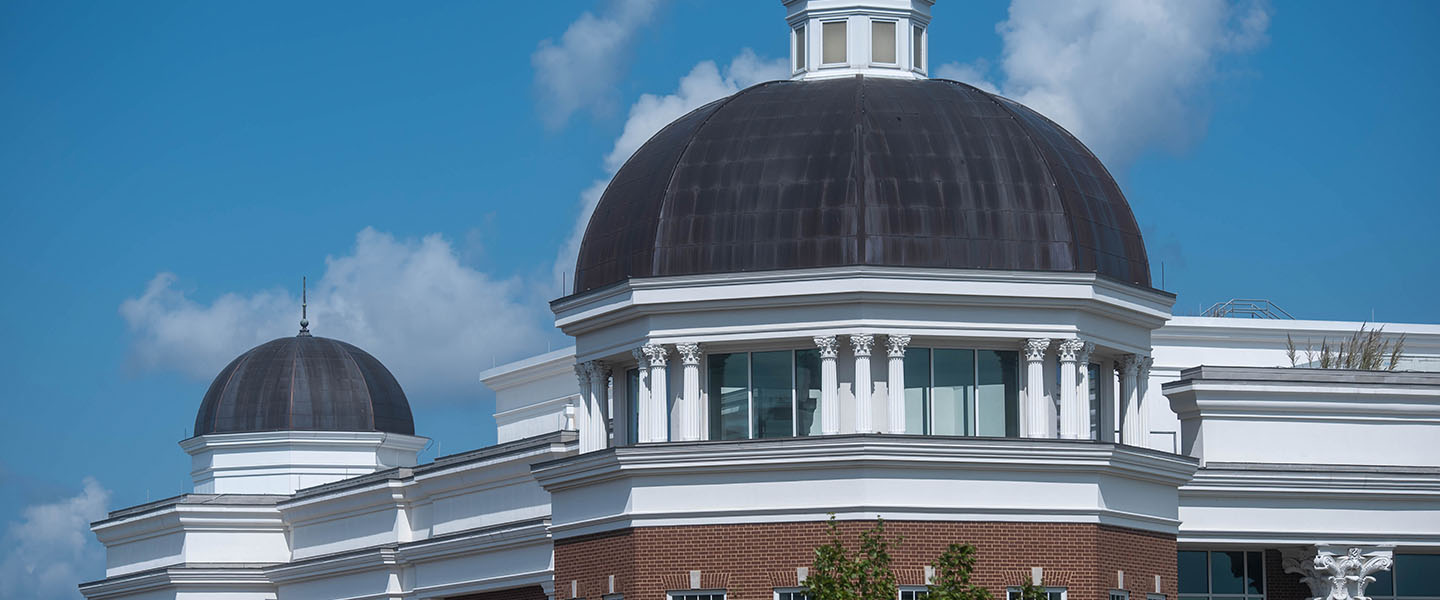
(771, 390)
(882, 42)
(1093, 378)
(632, 401)
(1227, 572)
(833, 40)
(729, 396)
(1254, 573)
(917, 390)
(1194, 572)
(807, 392)
(952, 404)
(799, 48)
(997, 393)
(1384, 584)
(1417, 574)
(917, 47)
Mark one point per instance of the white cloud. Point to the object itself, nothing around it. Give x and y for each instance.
(705, 83)
(51, 550)
(432, 320)
(581, 70)
(1122, 75)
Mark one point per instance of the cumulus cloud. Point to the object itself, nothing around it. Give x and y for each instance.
(432, 320)
(1122, 75)
(51, 550)
(581, 70)
(705, 83)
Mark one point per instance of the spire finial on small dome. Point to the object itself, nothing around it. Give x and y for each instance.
(304, 322)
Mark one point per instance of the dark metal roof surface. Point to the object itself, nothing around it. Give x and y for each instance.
(304, 383)
(861, 171)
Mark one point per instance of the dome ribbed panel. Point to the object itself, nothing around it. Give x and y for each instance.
(304, 384)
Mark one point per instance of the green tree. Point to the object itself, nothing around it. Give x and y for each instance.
(1030, 591)
(865, 574)
(952, 575)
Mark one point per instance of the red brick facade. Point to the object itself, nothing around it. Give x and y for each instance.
(750, 560)
(1280, 585)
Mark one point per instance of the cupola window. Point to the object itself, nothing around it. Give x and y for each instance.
(882, 42)
(833, 40)
(799, 48)
(917, 46)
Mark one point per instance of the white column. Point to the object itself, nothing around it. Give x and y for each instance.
(895, 383)
(1142, 409)
(599, 401)
(582, 407)
(659, 418)
(864, 385)
(1082, 387)
(829, 385)
(1130, 433)
(1070, 406)
(1035, 409)
(1335, 572)
(690, 401)
(642, 396)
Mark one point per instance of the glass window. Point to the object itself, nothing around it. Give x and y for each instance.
(799, 47)
(914, 592)
(807, 392)
(1051, 593)
(1384, 584)
(1119, 595)
(917, 390)
(1215, 575)
(632, 400)
(1415, 575)
(951, 403)
(997, 393)
(1092, 377)
(773, 394)
(882, 42)
(917, 46)
(833, 42)
(729, 396)
(696, 595)
(791, 594)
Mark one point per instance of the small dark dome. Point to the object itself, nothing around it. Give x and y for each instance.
(861, 171)
(304, 383)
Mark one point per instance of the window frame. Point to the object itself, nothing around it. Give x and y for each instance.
(1210, 593)
(799, 40)
(751, 416)
(919, 53)
(1013, 592)
(1119, 594)
(972, 419)
(798, 592)
(845, 47)
(917, 592)
(704, 594)
(894, 42)
(1395, 576)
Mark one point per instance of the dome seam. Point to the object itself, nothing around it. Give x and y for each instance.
(215, 419)
(369, 398)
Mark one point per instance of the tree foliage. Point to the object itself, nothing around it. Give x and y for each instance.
(952, 575)
(864, 574)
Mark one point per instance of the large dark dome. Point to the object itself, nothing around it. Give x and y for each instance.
(304, 383)
(861, 171)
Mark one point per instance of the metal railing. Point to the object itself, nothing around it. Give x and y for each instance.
(1253, 308)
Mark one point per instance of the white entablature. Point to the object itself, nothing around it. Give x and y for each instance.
(844, 38)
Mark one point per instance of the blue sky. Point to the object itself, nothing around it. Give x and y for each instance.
(236, 147)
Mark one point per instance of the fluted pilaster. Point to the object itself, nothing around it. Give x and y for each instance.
(829, 385)
(895, 383)
(1036, 409)
(690, 398)
(864, 384)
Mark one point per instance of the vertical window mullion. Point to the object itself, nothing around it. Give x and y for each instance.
(750, 415)
(794, 396)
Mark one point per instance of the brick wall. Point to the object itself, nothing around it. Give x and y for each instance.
(750, 560)
(533, 592)
(1280, 585)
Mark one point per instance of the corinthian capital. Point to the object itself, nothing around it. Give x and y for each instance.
(861, 343)
(1129, 363)
(1144, 365)
(828, 345)
(1069, 349)
(1335, 576)
(1034, 348)
(598, 371)
(657, 354)
(689, 353)
(582, 374)
(1083, 355)
(895, 345)
(641, 359)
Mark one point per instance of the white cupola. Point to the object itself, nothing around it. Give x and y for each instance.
(875, 38)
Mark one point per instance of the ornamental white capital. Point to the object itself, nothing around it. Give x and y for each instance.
(1335, 576)
(640, 358)
(1083, 355)
(828, 345)
(657, 354)
(582, 373)
(1034, 348)
(689, 353)
(1129, 363)
(1144, 365)
(861, 343)
(599, 372)
(895, 345)
(1069, 349)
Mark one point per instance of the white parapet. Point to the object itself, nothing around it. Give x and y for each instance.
(281, 462)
